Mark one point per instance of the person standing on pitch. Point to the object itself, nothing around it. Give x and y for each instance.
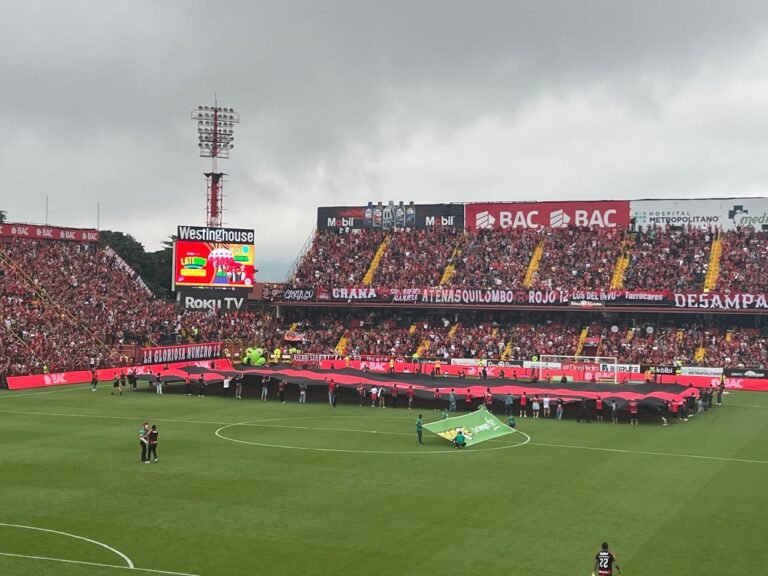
(524, 405)
(452, 400)
(158, 385)
(239, 386)
(152, 443)
(331, 390)
(382, 399)
(437, 398)
(200, 386)
(374, 396)
(187, 385)
(281, 391)
(225, 386)
(545, 405)
(409, 394)
(361, 394)
(302, 393)
(599, 408)
(395, 394)
(604, 562)
(144, 441)
(468, 400)
(633, 412)
(419, 428)
(94, 380)
(509, 403)
(264, 387)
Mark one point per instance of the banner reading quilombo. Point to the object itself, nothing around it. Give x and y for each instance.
(477, 427)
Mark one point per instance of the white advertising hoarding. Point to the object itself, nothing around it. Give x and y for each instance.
(723, 213)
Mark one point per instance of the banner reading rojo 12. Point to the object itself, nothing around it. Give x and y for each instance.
(213, 257)
(533, 215)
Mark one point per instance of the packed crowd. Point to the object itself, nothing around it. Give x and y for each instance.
(659, 258)
(495, 258)
(68, 306)
(578, 259)
(743, 264)
(338, 258)
(416, 258)
(668, 259)
(64, 304)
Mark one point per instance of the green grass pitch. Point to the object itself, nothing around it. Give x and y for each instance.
(688, 499)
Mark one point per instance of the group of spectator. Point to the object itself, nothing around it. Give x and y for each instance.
(668, 259)
(573, 258)
(338, 258)
(70, 306)
(743, 264)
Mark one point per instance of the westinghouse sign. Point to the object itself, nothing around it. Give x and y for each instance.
(220, 235)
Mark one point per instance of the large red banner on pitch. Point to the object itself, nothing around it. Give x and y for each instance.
(532, 215)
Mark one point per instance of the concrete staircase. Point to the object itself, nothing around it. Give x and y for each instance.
(369, 275)
(533, 265)
(713, 269)
(617, 280)
(582, 338)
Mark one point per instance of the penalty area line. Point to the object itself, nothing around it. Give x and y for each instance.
(97, 564)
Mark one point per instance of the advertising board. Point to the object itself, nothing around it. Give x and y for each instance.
(213, 257)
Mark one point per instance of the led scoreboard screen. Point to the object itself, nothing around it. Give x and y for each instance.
(213, 257)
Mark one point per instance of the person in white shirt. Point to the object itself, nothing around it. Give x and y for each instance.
(226, 386)
(374, 396)
(545, 406)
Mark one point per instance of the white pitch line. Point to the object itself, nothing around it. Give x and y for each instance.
(644, 453)
(128, 561)
(98, 564)
(256, 423)
(218, 433)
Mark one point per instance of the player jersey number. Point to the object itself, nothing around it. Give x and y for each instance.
(604, 563)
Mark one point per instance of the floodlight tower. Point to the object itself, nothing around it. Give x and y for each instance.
(215, 130)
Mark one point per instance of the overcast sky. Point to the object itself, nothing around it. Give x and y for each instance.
(345, 102)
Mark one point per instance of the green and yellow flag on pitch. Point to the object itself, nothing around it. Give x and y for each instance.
(477, 426)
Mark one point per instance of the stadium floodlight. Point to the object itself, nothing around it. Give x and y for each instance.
(215, 139)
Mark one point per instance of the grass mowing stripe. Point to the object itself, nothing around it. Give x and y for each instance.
(98, 564)
(645, 453)
(12, 394)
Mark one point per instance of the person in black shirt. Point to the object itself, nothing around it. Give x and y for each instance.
(604, 562)
(152, 438)
(201, 386)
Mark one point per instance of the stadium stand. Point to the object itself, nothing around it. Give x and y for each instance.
(66, 303)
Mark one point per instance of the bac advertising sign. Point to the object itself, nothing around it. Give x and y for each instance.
(723, 213)
(213, 257)
(533, 215)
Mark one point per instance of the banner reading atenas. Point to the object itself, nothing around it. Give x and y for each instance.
(477, 427)
(481, 296)
(723, 213)
(48, 232)
(532, 215)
